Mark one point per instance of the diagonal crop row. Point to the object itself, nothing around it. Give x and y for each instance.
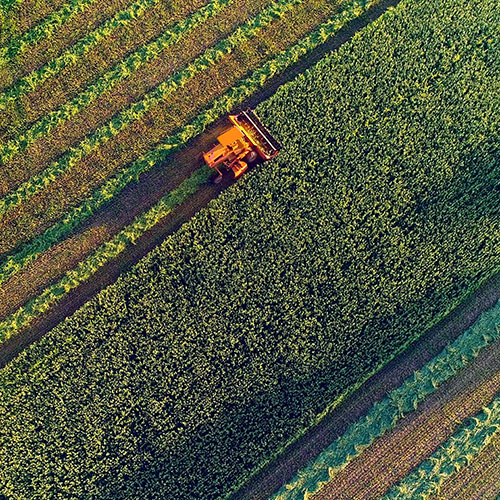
(71, 55)
(42, 30)
(110, 79)
(221, 106)
(138, 109)
(458, 452)
(385, 414)
(105, 253)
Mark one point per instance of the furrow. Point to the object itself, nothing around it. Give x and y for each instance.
(43, 30)
(138, 109)
(70, 56)
(118, 73)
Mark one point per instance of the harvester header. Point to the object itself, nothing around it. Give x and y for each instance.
(246, 142)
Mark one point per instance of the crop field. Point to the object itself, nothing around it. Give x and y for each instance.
(234, 335)
(394, 456)
(479, 479)
(66, 159)
(398, 432)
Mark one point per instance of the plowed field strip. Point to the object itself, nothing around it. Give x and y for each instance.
(17, 19)
(38, 46)
(69, 75)
(188, 40)
(394, 455)
(141, 135)
(479, 480)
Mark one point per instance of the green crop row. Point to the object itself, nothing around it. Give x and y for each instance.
(385, 414)
(42, 30)
(229, 339)
(110, 79)
(138, 109)
(29, 82)
(458, 452)
(104, 254)
(221, 106)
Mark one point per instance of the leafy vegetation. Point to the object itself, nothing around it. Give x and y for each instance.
(385, 414)
(455, 454)
(227, 341)
(138, 109)
(43, 29)
(71, 55)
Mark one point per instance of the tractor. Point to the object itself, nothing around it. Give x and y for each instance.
(246, 142)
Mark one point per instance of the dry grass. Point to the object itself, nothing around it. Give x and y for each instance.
(416, 437)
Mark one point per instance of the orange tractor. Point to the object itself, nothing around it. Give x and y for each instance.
(246, 142)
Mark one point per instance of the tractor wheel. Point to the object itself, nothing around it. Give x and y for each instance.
(251, 157)
(218, 179)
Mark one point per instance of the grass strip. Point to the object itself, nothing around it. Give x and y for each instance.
(221, 106)
(385, 414)
(7, 5)
(138, 109)
(110, 79)
(30, 82)
(42, 30)
(458, 452)
(105, 253)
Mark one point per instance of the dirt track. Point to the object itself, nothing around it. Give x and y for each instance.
(393, 456)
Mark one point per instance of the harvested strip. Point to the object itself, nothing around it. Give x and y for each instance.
(237, 94)
(392, 457)
(110, 79)
(33, 279)
(106, 252)
(138, 109)
(454, 455)
(147, 77)
(366, 436)
(43, 30)
(31, 81)
(481, 479)
(66, 84)
(51, 47)
(225, 103)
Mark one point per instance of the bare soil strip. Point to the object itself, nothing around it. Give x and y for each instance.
(479, 480)
(417, 436)
(66, 35)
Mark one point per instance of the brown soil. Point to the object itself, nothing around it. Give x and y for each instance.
(49, 147)
(72, 30)
(480, 480)
(73, 78)
(30, 12)
(393, 456)
(137, 198)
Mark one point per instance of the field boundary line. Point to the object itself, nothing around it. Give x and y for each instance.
(106, 252)
(119, 72)
(219, 107)
(385, 414)
(455, 454)
(31, 81)
(138, 109)
(43, 30)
